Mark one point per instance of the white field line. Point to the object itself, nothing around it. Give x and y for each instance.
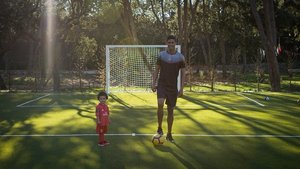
(126, 107)
(260, 104)
(48, 106)
(21, 105)
(146, 106)
(54, 106)
(175, 135)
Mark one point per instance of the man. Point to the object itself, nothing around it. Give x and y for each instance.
(169, 63)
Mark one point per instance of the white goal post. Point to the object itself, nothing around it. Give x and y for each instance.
(129, 67)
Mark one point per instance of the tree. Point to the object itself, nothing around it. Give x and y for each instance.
(128, 22)
(16, 23)
(84, 50)
(267, 31)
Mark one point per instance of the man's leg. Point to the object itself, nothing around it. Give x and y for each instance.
(170, 118)
(160, 114)
(171, 102)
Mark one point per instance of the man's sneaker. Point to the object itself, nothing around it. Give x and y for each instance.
(170, 138)
(106, 143)
(160, 131)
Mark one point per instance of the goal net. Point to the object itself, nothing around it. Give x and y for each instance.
(129, 67)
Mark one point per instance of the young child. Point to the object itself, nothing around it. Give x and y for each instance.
(102, 118)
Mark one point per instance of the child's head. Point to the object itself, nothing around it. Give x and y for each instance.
(102, 97)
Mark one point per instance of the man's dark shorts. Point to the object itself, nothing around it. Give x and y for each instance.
(169, 95)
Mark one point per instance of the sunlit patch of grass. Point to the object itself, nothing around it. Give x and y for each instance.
(8, 148)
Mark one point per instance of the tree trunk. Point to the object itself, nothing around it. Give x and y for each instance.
(2, 84)
(128, 23)
(179, 20)
(185, 28)
(223, 56)
(56, 67)
(268, 36)
(244, 57)
(162, 22)
(204, 49)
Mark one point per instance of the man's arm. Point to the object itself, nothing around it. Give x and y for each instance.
(154, 78)
(182, 80)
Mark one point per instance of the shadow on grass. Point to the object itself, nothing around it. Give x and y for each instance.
(50, 152)
(258, 126)
(183, 161)
(120, 101)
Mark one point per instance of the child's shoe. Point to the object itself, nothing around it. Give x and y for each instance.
(101, 144)
(105, 142)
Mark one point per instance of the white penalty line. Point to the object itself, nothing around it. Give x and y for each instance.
(175, 135)
(251, 99)
(22, 105)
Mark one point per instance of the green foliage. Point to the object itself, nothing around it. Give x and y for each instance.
(103, 21)
(110, 12)
(85, 50)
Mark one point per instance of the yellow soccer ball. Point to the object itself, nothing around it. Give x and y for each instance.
(158, 139)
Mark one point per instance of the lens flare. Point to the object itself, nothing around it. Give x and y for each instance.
(50, 36)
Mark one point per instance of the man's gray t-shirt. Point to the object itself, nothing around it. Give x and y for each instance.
(169, 69)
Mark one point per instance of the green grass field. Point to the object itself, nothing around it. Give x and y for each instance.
(212, 131)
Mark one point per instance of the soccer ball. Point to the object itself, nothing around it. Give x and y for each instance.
(158, 139)
(267, 98)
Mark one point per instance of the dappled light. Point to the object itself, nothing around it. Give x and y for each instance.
(51, 132)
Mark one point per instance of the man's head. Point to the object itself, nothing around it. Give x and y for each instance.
(171, 42)
(171, 37)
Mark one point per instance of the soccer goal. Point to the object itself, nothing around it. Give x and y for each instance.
(129, 67)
